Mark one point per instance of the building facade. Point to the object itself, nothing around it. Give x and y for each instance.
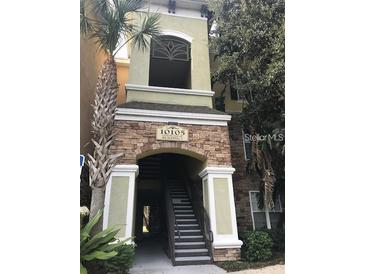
(183, 160)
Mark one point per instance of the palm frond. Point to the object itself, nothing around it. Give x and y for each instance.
(130, 5)
(149, 29)
(107, 31)
(101, 7)
(85, 22)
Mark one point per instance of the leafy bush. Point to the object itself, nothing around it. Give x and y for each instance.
(256, 246)
(122, 262)
(278, 239)
(99, 246)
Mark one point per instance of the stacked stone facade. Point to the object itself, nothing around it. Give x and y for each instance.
(226, 254)
(135, 138)
(242, 181)
(218, 145)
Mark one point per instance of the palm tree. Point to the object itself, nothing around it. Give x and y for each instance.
(109, 22)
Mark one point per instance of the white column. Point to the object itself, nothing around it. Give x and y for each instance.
(220, 178)
(128, 173)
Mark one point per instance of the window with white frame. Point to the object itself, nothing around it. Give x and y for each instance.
(264, 218)
(246, 146)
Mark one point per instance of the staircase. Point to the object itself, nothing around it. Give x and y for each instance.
(150, 168)
(190, 246)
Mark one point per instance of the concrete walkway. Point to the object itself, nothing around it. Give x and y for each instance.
(151, 259)
(274, 269)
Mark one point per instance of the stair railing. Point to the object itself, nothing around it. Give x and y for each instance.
(201, 215)
(172, 224)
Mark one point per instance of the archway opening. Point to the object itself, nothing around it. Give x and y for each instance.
(170, 63)
(160, 176)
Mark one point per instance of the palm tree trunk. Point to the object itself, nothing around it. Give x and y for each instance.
(97, 202)
(102, 162)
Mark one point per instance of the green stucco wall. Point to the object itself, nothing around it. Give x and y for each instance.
(222, 206)
(206, 195)
(119, 203)
(163, 98)
(200, 69)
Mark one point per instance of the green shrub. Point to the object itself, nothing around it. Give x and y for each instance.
(256, 246)
(278, 239)
(122, 262)
(100, 246)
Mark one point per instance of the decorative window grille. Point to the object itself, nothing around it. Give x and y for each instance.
(264, 218)
(171, 48)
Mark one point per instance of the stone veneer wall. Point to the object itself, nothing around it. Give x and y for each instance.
(242, 182)
(226, 254)
(134, 138)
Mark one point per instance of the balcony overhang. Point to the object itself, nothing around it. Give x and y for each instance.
(166, 90)
(165, 95)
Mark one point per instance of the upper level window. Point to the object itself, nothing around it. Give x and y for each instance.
(170, 63)
(247, 146)
(172, 49)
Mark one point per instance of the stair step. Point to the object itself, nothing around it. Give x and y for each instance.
(187, 211)
(187, 250)
(190, 238)
(182, 206)
(192, 260)
(183, 227)
(178, 203)
(189, 245)
(188, 225)
(177, 189)
(187, 232)
(190, 230)
(187, 221)
(195, 258)
(184, 216)
(181, 201)
(191, 252)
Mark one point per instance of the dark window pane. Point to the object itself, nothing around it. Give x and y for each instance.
(248, 146)
(274, 219)
(234, 95)
(260, 220)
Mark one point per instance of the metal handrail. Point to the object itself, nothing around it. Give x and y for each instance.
(202, 217)
(172, 224)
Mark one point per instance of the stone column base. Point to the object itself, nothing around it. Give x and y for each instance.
(226, 254)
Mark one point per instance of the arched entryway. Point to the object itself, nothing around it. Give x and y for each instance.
(171, 181)
(169, 186)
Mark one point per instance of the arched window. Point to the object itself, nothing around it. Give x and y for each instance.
(170, 63)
